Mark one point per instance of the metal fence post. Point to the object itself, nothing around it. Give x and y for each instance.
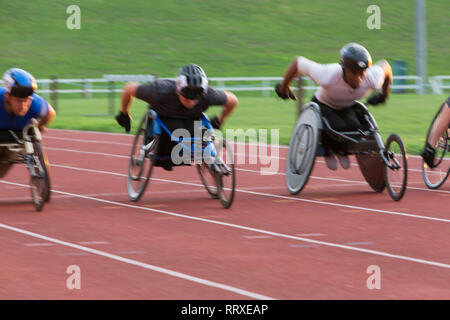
(54, 92)
(265, 93)
(111, 98)
(87, 88)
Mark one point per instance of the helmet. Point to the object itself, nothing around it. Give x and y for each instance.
(355, 57)
(19, 83)
(192, 82)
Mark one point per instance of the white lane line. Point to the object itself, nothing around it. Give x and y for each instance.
(139, 264)
(41, 244)
(270, 195)
(88, 141)
(73, 254)
(360, 243)
(304, 245)
(309, 234)
(257, 237)
(93, 242)
(131, 252)
(92, 132)
(346, 181)
(88, 152)
(285, 147)
(236, 226)
(351, 182)
(132, 135)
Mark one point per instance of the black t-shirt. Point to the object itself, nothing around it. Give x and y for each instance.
(162, 97)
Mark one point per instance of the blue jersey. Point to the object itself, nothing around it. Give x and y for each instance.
(38, 109)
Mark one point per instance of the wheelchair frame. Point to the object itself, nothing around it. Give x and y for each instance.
(215, 167)
(361, 143)
(438, 171)
(30, 152)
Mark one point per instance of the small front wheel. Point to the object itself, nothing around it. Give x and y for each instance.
(208, 177)
(39, 176)
(436, 176)
(225, 173)
(142, 159)
(396, 170)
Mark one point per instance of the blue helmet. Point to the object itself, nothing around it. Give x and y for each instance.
(19, 83)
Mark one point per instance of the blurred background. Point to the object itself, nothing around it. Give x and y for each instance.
(231, 39)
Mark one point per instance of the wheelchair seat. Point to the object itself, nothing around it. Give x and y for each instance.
(362, 140)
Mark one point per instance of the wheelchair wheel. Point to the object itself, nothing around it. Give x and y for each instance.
(302, 150)
(396, 177)
(435, 177)
(208, 177)
(39, 176)
(142, 158)
(225, 173)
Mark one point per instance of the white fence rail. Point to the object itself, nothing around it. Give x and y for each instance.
(114, 83)
(438, 84)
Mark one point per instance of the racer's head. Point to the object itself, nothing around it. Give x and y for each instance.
(355, 59)
(192, 84)
(20, 85)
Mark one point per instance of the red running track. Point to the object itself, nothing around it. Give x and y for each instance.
(178, 243)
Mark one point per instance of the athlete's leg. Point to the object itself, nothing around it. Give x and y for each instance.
(440, 126)
(5, 165)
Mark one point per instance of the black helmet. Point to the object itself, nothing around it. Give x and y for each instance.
(19, 83)
(355, 57)
(192, 82)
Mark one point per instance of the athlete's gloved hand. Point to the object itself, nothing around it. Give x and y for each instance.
(283, 95)
(428, 155)
(215, 123)
(124, 120)
(376, 98)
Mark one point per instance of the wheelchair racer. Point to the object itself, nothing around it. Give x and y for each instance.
(429, 152)
(178, 104)
(18, 105)
(340, 85)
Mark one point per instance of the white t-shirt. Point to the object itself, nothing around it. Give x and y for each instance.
(333, 90)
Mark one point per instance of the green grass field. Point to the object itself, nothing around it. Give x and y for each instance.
(228, 38)
(408, 115)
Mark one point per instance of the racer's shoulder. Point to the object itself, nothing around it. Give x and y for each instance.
(215, 96)
(163, 86)
(331, 74)
(39, 106)
(38, 101)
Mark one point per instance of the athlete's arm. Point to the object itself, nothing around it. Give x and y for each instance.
(229, 106)
(47, 118)
(129, 92)
(387, 77)
(291, 72)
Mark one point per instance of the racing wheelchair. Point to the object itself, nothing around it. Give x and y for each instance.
(213, 158)
(435, 177)
(25, 147)
(381, 165)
